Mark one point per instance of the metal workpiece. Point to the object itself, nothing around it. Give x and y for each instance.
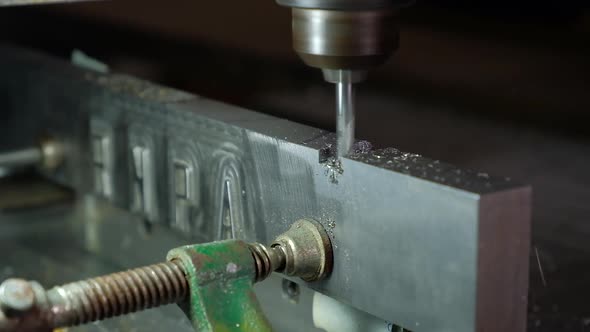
(102, 137)
(47, 155)
(147, 190)
(417, 242)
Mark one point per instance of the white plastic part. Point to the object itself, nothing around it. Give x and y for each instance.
(334, 316)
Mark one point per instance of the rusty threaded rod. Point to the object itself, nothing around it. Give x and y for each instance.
(114, 294)
(124, 292)
(117, 294)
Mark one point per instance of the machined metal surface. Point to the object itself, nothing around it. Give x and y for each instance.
(412, 237)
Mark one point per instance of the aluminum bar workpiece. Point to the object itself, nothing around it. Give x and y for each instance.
(417, 242)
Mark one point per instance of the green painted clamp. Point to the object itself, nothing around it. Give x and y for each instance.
(221, 276)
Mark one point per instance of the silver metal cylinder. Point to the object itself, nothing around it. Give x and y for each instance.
(342, 39)
(345, 4)
(345, 113)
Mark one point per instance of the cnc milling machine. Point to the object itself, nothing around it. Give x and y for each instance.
(361, 239)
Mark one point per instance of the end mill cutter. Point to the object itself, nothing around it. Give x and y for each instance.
(345, 39)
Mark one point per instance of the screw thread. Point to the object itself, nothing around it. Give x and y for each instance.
(117, 294)
(266, 260)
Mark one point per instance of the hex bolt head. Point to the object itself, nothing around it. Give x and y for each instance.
(16, 295)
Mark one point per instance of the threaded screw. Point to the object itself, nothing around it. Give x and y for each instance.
(267, 260)
(117, 294)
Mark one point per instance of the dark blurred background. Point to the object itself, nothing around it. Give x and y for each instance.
(522, 61)
(500, 86)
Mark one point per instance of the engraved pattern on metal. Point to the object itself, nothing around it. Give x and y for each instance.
(186, 213)
(144, 189)
(102, 137)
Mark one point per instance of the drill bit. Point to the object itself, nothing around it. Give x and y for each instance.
(344, 116)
